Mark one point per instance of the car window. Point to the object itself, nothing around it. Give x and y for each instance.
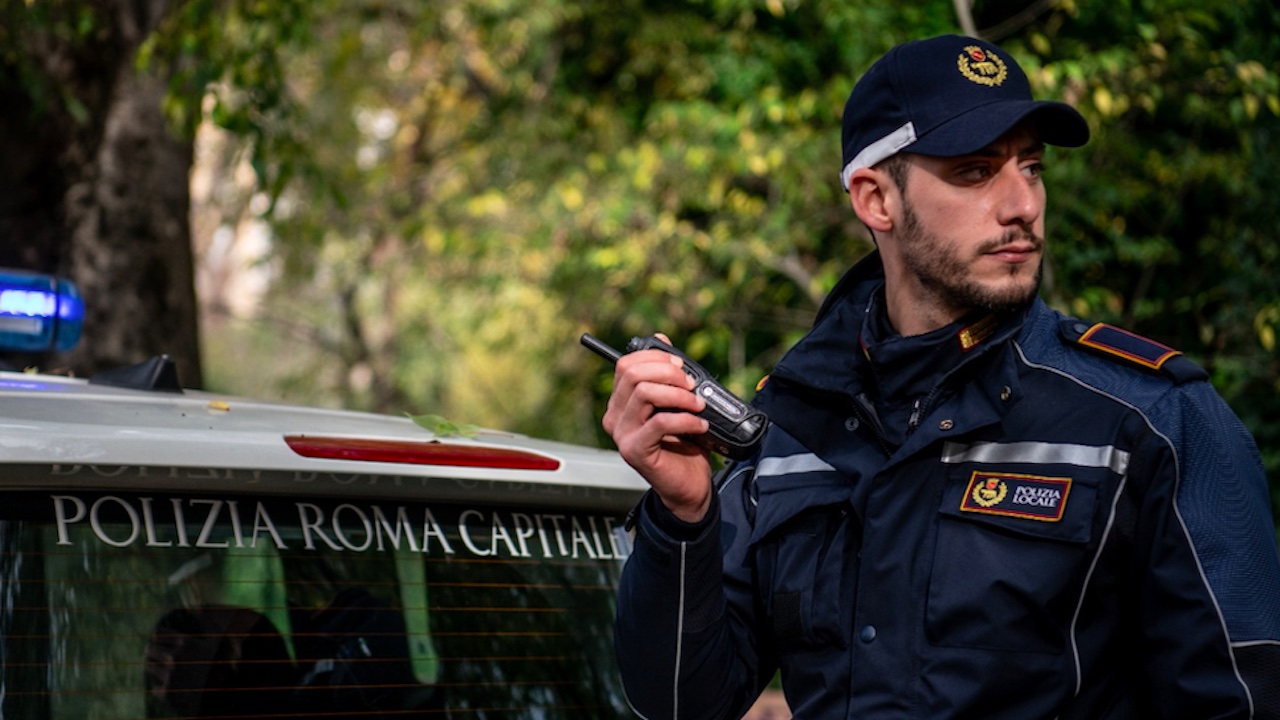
(147, 604)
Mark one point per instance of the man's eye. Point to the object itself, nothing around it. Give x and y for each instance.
(1034, 169)
(974, 172)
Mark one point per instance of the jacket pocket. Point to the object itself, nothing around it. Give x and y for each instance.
(1010, 560)
(807, 570)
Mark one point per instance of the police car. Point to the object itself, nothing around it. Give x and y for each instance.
(170, 553)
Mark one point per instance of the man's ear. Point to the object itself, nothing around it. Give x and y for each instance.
(875, 198)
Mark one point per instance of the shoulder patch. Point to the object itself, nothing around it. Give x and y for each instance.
(1131, 349)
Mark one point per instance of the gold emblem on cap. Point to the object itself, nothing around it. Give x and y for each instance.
(982, 66)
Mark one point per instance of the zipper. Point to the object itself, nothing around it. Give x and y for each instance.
(922, 405)
(866, 412)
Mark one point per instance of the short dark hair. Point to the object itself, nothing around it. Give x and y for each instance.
(896, 167)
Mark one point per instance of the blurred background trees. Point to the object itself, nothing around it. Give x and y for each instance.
(93, 182)
(414, 207)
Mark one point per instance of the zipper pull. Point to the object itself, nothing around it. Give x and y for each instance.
(914, 421)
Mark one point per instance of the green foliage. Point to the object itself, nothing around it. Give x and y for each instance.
(32, 31)
(226, 63)
(1163, 220)
(441, 427)
(460, 189)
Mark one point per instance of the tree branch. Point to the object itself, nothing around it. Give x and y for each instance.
(964, 15)
(1003, 29)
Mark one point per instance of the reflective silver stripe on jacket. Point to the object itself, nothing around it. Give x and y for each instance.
(792, 464)
(1038, 453)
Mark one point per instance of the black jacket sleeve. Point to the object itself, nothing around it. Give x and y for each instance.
(685, 634)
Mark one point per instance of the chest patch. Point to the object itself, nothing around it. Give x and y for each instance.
(1033, 497)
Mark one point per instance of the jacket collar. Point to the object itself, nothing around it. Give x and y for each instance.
(826, 360)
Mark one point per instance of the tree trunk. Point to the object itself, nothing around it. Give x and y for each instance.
(95, 185)
(131, 239)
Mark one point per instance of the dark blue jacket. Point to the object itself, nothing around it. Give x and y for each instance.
(1063, 534)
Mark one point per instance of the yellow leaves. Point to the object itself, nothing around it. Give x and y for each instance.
(597, 163)
(646, 162)
(489, 204)
(697, 158)
(1251, 71)
(607, 257)
(1264, 323)
(745, 204)
(1045, 77)
(1094, 301)
(1108, 104)
(1040, 43)
(704, 298)
(775, 157)
(571, 197)
(667, 224)
(433, 239)
(716, 191)
(1251, 106)
(758, 162)
(1259, 88)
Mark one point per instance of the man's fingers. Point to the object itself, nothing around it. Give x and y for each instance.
(650, 415)
(659, 396)
(672, 407)
(644, 382)
(651, 366)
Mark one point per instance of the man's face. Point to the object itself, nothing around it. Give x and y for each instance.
(971, 235)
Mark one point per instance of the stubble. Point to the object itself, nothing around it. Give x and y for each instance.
(942, 271)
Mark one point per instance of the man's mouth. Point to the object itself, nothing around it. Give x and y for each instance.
(1014, 249)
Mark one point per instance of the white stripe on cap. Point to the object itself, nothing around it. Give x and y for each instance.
(885, 147)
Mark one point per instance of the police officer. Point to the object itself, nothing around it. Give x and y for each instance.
(968, 505)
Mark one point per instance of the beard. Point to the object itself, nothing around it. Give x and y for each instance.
(941, 270)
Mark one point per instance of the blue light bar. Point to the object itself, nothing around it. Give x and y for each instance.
(38, 313)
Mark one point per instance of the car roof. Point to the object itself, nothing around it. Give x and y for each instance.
(194, 440)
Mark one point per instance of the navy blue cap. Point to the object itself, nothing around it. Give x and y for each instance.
(945, 96)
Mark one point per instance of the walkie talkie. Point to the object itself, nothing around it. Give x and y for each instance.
(735, 428)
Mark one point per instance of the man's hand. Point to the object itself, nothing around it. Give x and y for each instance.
(651, 407)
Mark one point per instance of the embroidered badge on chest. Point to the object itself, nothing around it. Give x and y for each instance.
(1033, 497)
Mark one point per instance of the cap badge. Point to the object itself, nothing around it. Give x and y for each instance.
(982, 66)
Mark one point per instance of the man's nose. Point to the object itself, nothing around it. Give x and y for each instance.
(1021, 197)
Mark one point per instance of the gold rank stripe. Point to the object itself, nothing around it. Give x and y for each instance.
(977, 333)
